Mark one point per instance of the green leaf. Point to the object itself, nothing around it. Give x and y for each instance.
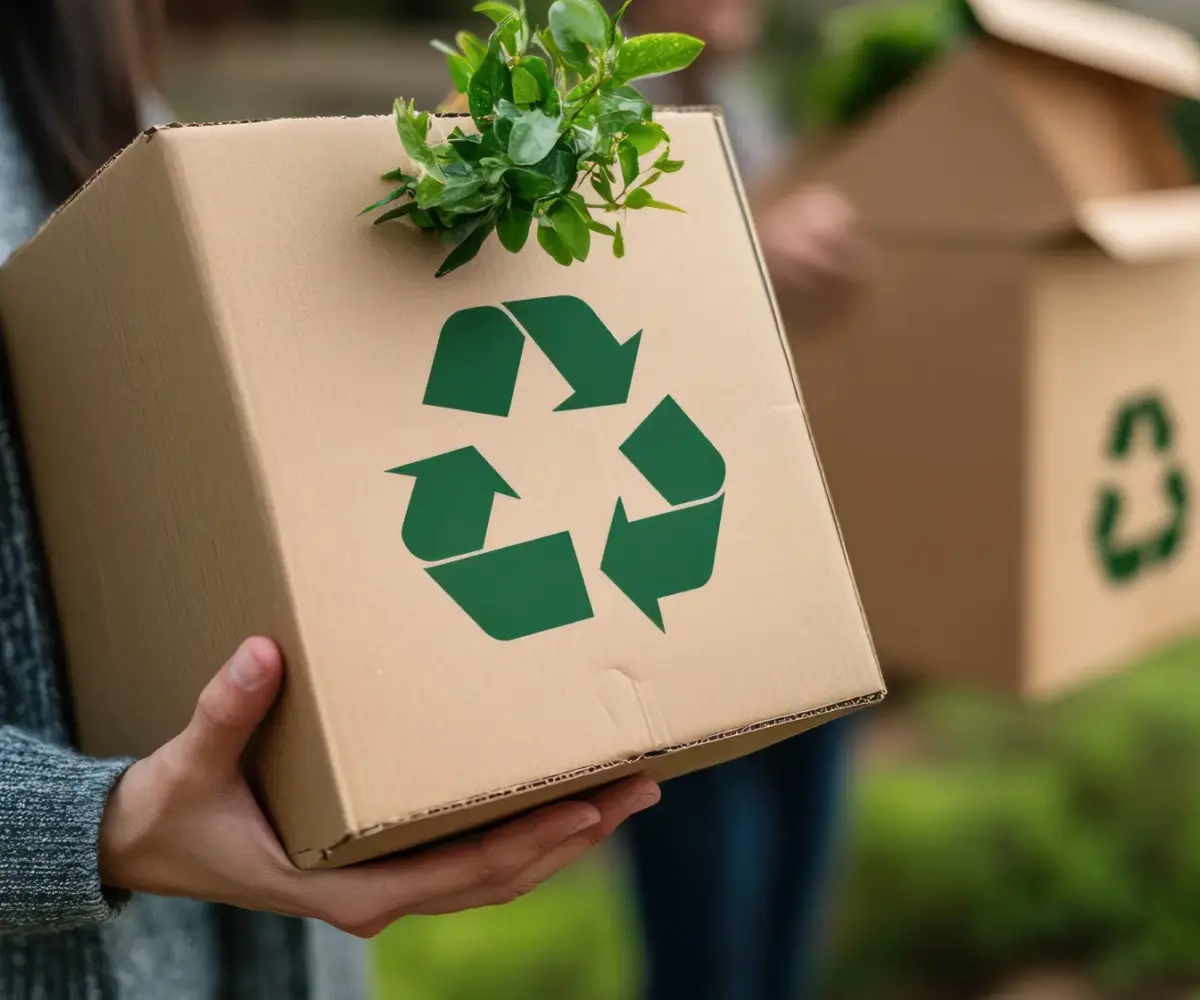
(667, 165)
(572, 229)
(498, 12)
(413, 129)
(638, 199)
(531, 185)
(490, 83)
(469, 248)
(641, 198)
(514, 226)
(655, 55)
(600, 227)
(647, 136)
(476, 147)
(472, 47)
(533, 136)
(619, 243)
(466, 195)
(398, 193)
(561, 167)
(603, 187)
(399, 174)
(430, 191)
(620, 14)
(628, 155)
(460, 72)
(508, 34)
(552, 243)
(536, 67)
(396, 213)
(526, 89)
(578, 25)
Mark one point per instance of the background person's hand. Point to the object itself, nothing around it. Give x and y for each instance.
(811, 248)
(183, 822)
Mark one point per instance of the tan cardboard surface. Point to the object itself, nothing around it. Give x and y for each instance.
(952, 156)
(1032, 242)
(915, 396)
(1146, 227)
(262, 365)
(1103, 334)
(1098, 35)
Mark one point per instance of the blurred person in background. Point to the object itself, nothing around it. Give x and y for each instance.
(109, 869)
(731, 870)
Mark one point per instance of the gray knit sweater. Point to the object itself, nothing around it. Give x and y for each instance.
(62, 936)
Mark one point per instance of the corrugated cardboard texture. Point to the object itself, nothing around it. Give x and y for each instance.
(258, 368)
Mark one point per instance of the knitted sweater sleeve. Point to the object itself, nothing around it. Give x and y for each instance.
(51, 801)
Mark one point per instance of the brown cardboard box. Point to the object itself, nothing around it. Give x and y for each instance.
(217, 364)
(1008, 413)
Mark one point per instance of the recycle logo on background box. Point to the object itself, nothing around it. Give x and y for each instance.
(538, 585)
(1124, 562)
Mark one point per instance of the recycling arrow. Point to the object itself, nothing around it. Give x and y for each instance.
(662, 555)
(451, 504)
(476, 362)
(1123, 562)
(672, 553)
(575, 340)
(538, 585)
(521, 590)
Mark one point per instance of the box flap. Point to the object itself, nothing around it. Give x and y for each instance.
(1098, 35)
(1144, 227)
(952, 156)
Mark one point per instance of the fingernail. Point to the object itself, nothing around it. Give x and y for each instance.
(586, 822)
(647, 799)
(246, 671)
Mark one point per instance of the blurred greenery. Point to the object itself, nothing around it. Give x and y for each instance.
(1067, 833)
(574, 939)
(1018, 836)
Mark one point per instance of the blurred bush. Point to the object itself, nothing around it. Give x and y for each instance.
(1067, 834)
(573, 939)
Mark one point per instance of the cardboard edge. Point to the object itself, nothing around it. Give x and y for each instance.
(148, 134)
(1120, 43)
(252, 452)
(785, 346)
(316, 857)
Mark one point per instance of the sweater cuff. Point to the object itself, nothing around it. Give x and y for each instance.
(51, 803)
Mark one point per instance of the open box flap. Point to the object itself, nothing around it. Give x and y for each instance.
(1144, 227)
(1100, 36)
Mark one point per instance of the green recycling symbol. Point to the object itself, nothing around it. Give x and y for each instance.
(1123, 562)
(538, 585)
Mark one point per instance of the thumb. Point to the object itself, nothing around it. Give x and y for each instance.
(233, 705)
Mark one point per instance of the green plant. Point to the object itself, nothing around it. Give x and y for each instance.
(545, 125)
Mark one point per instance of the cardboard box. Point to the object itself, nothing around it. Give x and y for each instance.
(605, 546)
(1008, 412)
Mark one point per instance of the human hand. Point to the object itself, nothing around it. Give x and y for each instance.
(184, 822)
(811, 247)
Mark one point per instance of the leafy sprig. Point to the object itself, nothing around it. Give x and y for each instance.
(555, 114)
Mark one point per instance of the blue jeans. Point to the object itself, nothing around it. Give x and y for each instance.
(731, 870)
